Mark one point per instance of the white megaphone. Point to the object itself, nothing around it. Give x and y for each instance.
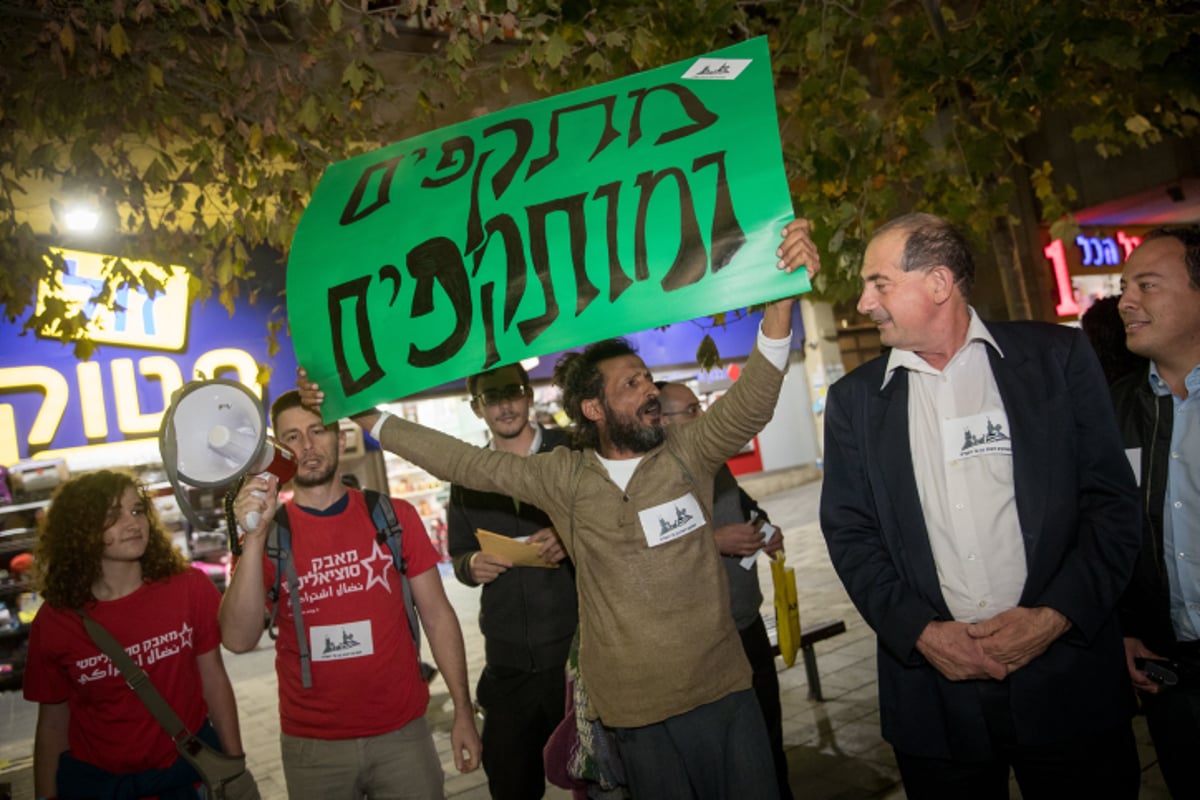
(213, 434)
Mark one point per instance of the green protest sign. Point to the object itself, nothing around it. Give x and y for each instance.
(633, 204)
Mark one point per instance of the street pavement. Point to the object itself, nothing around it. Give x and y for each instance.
(834, 747)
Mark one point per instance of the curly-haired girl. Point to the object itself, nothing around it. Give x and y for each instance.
(101, 550)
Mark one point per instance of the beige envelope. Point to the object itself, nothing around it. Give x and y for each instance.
(521, 554)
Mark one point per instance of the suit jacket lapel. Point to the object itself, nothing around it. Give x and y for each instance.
(1022, 392)
(888, 412)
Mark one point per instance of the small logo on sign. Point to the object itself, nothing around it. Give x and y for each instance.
(716, 69)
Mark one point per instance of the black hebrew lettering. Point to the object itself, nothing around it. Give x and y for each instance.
(693, 106)
(533, 327)
(618, 279)
(388, 272)
(487, 294)
(514, 258)
(355, 290)
(463, 145)
(585, 290)
(474, 227)
(523, 130)
(691, 258)
(352, 213)
(607, 136)
(438, 261)
(727, 234)
(419, 154)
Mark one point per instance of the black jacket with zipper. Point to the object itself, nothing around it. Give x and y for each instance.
(1146, 420)
(527, 615)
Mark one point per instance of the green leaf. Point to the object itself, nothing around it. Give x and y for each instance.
(556, 50)
(118, 40)
(66, 38)
(1137, 124)
(707, 355)
(310, 114)
(354, 76)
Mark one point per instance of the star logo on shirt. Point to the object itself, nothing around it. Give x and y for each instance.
(377, 567)
(185, 635)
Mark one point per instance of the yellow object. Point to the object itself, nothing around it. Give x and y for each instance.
(520, 553)
(28, 604)
(787, 608)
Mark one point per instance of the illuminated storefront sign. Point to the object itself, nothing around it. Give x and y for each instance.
(51, 402)
(137, 320)
(1095, 251)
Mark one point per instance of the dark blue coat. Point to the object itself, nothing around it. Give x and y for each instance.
(1080, 520)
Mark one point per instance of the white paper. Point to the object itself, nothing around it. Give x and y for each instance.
(767, 531)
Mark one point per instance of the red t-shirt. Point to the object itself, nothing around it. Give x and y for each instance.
(365, 680)
(164, 626)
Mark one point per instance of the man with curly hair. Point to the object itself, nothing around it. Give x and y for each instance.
(102, 551)
(659, 652)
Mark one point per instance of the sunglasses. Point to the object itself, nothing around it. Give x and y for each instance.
(494, 397)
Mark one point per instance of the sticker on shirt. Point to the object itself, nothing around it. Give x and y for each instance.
(1134, 455)
(985, 434)
(335, 642)
(667, 522)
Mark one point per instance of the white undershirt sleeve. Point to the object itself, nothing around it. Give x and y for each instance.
(775, 350)
(378, 426)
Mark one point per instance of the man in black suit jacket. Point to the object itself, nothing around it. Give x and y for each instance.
(982, 515)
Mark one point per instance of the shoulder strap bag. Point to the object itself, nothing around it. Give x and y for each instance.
(225, 777)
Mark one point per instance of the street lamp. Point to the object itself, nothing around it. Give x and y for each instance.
(81, 219)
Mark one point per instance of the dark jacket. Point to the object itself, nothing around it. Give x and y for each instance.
(1146, 421)
(1078, 512)
(527, 615)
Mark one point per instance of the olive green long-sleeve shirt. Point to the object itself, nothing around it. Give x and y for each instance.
(657, 637)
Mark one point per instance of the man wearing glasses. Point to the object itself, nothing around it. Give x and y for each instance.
(738, 531)
(527, 615)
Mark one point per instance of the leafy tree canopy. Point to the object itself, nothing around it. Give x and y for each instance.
(198, 128)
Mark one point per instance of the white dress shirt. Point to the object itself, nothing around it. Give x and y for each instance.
(961, 443)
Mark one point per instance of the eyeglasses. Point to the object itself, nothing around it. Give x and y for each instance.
(494, 397)
(692, 410)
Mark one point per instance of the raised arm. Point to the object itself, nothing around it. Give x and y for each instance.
(797, 252)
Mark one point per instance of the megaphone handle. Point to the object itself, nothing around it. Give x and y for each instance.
(253, 518)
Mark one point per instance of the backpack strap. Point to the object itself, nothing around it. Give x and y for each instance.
(279, 546)
(388, 530)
